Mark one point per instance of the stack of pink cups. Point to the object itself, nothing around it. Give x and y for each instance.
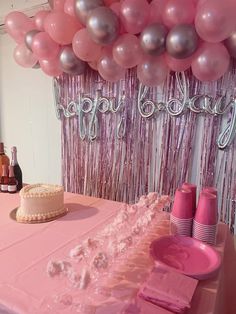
(181, 217)
(193, 189)
(206, 217)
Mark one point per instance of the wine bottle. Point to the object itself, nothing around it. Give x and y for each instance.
(16, 167)
(4, 160)
(4, 179)
(12, 183)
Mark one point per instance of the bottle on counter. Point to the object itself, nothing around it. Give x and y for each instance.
(4, 160)
(12, 182)
(4, 179)
(16, 167)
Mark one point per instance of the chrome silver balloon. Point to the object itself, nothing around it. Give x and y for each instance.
(69, 63)
(103, 26)
(182, 41)
(227, 135)
(153, 39)
(88, 108)
(29, 38)
(84, 7)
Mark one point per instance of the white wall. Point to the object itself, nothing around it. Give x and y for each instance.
(20, 5)
(27, 118)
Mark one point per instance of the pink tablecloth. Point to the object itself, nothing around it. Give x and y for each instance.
(26, 249)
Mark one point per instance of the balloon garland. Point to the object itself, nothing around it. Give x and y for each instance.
(112, 36)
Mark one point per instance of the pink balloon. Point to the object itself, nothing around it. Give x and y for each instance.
(61, 27)
(210, 62)
(232, 4)
(195, 2)
(58, 5)
(152, 71)
(51, 67)
(178, 12)
(84, 47)
(115, 7)
(39, 19)
(178, 65)
(44, 47)
(199, 2)
(69, 7)
(156, 11)
(109, 2)
(93, 65)
(24, 57)
(108, 68)
(127, 51)
(134, 15)
(215, 20)
(17, 25)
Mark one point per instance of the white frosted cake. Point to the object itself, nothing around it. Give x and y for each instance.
(40, 202)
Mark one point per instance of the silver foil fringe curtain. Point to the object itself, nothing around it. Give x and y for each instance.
(122, 140)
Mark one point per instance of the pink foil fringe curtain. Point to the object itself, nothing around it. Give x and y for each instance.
(155, 154)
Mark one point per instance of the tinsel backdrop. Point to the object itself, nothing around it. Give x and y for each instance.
(123, 140)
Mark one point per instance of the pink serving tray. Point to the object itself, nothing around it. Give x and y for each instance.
(186, 255)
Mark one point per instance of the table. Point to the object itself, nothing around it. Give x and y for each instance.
(25, 250)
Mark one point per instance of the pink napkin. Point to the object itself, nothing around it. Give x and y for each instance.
(168, 289)
(140, 306)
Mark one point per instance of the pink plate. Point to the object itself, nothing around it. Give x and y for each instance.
(187, 255)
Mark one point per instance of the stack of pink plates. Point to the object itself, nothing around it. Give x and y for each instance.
(180, 226)
(205, 233)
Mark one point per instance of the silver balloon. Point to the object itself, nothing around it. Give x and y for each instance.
(153, 39)
(29, 38)
(84, 7)
(230, 44)
(103, 25)
(182, 41)
(69, 63)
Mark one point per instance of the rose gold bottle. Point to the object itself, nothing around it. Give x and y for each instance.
(4, 179)
(4, 160)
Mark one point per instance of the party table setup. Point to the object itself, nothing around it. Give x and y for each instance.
(100, 256)
(141, 220)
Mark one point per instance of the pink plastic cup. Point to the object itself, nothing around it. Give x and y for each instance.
(193, 189)
(182, 207)
(206, 212)
(212, 190)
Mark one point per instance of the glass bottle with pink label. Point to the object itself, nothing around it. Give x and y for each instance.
(12, 182)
